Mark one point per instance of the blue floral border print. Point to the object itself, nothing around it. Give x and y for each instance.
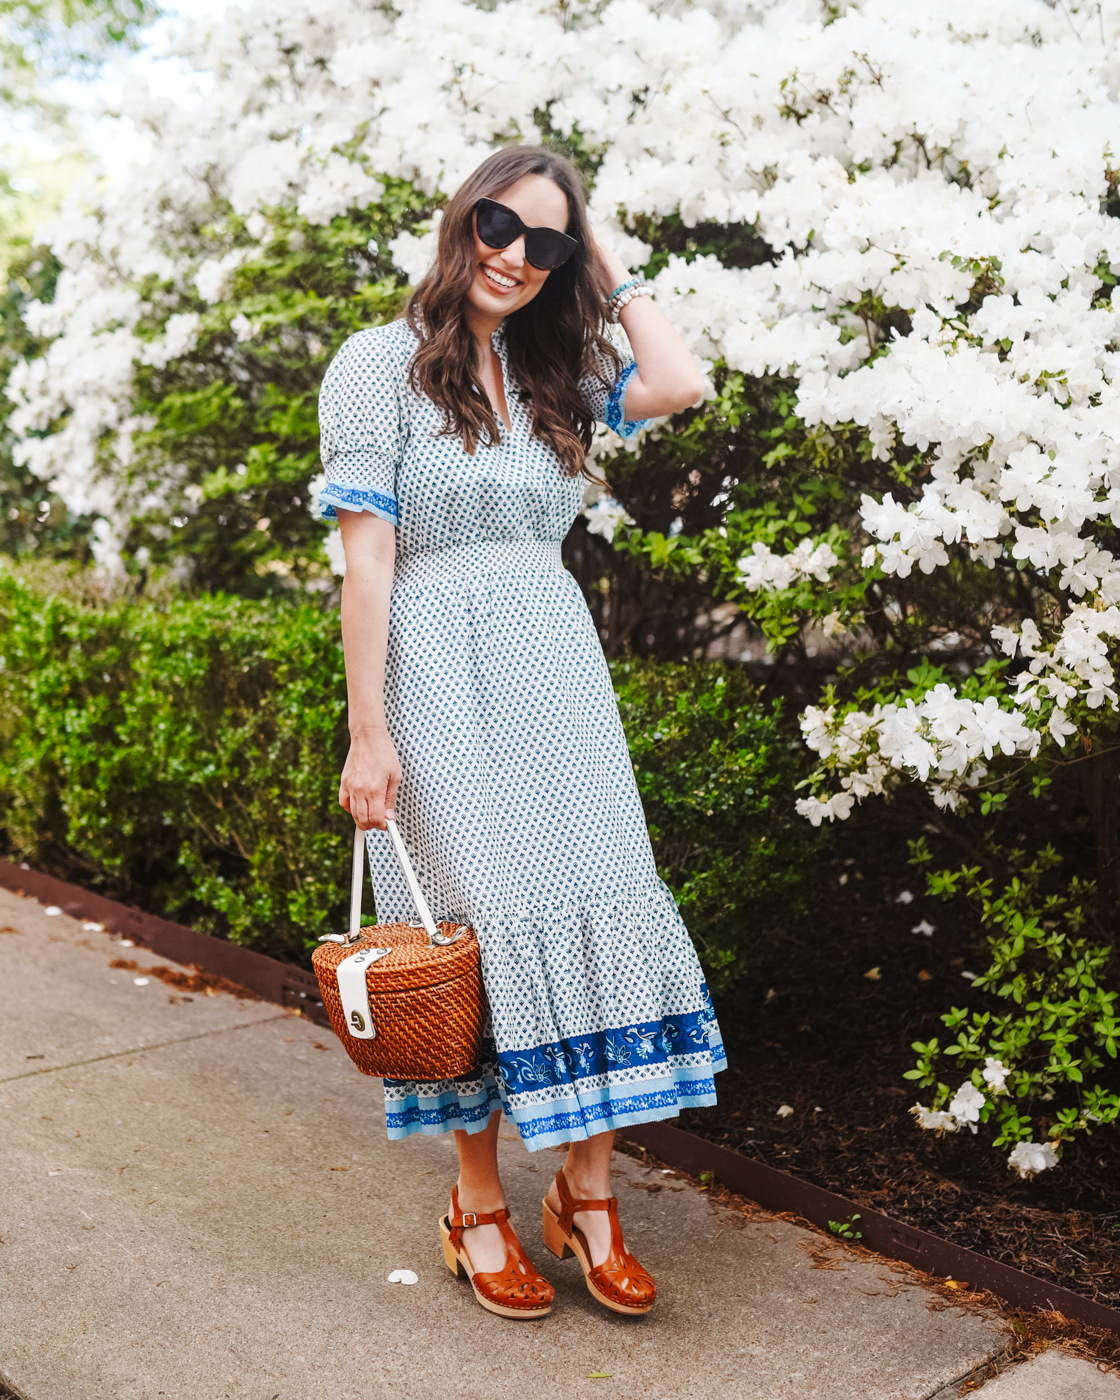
(660, 1104)
(600, 1052)
(352, 497)
(616, 406)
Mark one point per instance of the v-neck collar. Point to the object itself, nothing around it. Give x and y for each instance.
(498, 345)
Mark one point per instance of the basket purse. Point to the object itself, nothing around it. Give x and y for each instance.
(406, 1000)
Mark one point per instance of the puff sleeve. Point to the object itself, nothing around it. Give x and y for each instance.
(362, 424)
(605, 394)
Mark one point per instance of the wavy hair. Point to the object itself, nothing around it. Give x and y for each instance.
(552, 342)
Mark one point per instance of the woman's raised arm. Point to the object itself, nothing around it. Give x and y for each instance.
(667, 377)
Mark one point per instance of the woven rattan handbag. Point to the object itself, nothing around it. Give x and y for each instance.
(406, 1000)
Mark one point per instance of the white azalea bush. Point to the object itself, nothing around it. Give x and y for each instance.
(1032, 1061)
(887, 232)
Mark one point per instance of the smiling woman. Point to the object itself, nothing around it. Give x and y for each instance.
(453, 442)
(554, 314)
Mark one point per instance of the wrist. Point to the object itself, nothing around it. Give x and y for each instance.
(615, 271)
(368, 733)
(623, 295)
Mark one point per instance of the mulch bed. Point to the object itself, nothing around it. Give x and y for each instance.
(814, 1032)
(1029, 1332)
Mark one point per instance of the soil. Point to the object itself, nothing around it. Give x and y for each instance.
(837, 1058)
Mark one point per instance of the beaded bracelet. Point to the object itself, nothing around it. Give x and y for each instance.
(617, 305)
(623, 287)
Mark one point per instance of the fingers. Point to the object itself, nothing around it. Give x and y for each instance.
(358, 806)
(369, 784)
(391, 794)
(368, 811)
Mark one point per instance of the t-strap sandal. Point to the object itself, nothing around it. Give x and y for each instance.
(518, 1291)
(619, 1283)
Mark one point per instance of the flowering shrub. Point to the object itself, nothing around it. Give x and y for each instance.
(239, 415)
(1048, 1017)
(887, 231)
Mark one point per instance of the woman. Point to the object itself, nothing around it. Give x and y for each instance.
(453, 442)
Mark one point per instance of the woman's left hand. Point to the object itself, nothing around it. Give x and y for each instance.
(667, 378)
(609, 267)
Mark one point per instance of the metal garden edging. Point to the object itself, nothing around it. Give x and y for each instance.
(271, 979)
(774, 1190)
(780, 1192)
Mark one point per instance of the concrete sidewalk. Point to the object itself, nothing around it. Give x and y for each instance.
(197, 1201)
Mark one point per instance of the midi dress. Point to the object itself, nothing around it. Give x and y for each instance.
(518, 802)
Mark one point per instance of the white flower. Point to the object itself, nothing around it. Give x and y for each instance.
(995, 1075)
(336, 553)
(966, 1104)
(934, 1119)
(784, 1111)
(1060, 727)
(1021, 448)
(905, 898)
(925, 927)
(838, 807)
(1030, 1158)
(605, 516)
(762, 569)
(831, 625)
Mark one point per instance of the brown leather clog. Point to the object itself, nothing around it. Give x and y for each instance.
(518, 1290)
(619, 1283)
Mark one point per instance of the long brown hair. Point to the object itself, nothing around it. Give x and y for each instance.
(552, 342)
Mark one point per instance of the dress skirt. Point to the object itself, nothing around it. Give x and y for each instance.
(520, 810)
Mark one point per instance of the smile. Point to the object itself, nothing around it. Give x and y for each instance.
(499, 279)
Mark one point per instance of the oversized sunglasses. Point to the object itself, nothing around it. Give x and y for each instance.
(498, 227)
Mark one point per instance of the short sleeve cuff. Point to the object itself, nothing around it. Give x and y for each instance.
(615, 416)
(335, 497)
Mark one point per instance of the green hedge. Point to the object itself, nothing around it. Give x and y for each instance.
(716, 773)
(185, 756)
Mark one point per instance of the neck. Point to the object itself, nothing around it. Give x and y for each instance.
(482, 326)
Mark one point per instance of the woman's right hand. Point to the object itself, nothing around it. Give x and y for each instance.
(370, 779)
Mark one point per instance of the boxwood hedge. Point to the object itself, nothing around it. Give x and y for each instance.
(184, 754)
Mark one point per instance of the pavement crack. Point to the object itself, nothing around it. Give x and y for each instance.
(986, 1371)
(142, 1049)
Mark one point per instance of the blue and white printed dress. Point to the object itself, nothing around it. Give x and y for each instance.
(518, 803)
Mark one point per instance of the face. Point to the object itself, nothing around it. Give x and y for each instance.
(504, 279)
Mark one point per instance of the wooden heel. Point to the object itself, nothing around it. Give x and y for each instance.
(554, 1237)
(450, 1258)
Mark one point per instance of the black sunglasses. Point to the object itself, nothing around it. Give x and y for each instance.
(498, 227)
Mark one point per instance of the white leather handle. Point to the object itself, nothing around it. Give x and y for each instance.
(357, 875)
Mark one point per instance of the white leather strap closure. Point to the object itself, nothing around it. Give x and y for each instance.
(354, 991)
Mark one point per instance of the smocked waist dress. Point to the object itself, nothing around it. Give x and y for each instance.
(518, 802)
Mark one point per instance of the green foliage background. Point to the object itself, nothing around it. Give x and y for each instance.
(223, 632)
(184, 753)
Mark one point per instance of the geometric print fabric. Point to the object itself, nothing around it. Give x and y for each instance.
(518, 803)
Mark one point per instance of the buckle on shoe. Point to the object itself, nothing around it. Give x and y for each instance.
(470, 1220)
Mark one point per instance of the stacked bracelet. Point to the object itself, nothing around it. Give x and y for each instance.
(625, 293)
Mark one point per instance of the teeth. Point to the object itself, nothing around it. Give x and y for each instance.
(497, 277)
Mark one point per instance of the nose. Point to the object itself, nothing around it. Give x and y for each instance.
(514, 255)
